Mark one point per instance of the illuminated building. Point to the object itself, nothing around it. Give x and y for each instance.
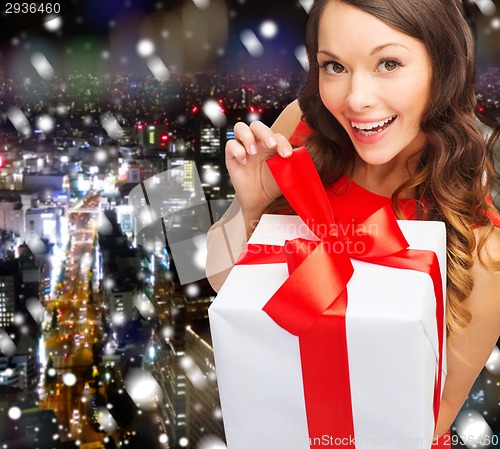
(44, 223)
(203, 411)
(9, 291)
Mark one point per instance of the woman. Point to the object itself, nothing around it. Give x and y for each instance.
(389, 107)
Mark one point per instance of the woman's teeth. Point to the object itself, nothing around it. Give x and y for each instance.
(371, 128)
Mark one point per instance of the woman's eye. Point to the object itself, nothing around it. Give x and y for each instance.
(388, 65)
(333, 67)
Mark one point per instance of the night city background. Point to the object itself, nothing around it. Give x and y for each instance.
(103, 343)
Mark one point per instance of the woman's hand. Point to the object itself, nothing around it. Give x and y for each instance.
(246, 154)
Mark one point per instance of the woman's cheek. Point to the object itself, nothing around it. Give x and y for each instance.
(331, 98)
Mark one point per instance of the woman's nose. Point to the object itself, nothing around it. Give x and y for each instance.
(361, 93)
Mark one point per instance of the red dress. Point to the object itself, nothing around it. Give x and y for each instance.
(350, 200)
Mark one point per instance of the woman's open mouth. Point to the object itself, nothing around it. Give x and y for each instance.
(372, 128)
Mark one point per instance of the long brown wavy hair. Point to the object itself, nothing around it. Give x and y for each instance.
(455, 172)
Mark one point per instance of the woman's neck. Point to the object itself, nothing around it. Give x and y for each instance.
(382, 179)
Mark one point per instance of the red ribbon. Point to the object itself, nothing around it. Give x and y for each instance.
(312, 302)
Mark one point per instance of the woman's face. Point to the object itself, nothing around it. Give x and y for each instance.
(375, 80)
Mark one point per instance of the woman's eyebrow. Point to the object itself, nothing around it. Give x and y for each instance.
(381, 47)
(374, 51)
(327, 53)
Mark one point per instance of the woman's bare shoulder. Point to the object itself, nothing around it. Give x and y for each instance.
(288, 120)
(485, 297)
(489, 251)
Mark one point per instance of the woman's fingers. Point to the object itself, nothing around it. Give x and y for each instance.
(283, 146)
(273, 141)
(234, 150)
(245, 136)
(249, 138)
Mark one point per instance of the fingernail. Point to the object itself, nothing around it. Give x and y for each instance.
(253, 149)
(244, 161)
(271, 141)
(287, 152)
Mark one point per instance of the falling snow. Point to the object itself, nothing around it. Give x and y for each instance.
(145, 47)
(14, 413)
(36, 310)
(268, 29)
(193, 372)
(487, 7)
(301, 55)
(111, 125)
(306, 4)
(7, 346)
(42, 66)
(143, 388)
(45, 123)
(53, 23)
(214, 112)
(158, 68)
(19, 120)
(69, 379)
(252, 43)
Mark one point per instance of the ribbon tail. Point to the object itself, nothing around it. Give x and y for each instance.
(325, 370)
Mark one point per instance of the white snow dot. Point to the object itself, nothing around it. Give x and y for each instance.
(53, 24)
(145, 47)
(163, 438)
(14, 413)
(192, 290)
(268, 29)
(69, 379)
(101, 156)
(45, 123)
(183, 442)
(495, 23)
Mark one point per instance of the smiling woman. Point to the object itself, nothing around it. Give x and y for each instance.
(374, 80)
(388, 116)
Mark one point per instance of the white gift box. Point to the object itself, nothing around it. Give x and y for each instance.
(392, 348)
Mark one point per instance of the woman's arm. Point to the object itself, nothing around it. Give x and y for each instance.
(468, 353)
(227, 238)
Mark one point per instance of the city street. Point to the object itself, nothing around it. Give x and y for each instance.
(69, 343)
